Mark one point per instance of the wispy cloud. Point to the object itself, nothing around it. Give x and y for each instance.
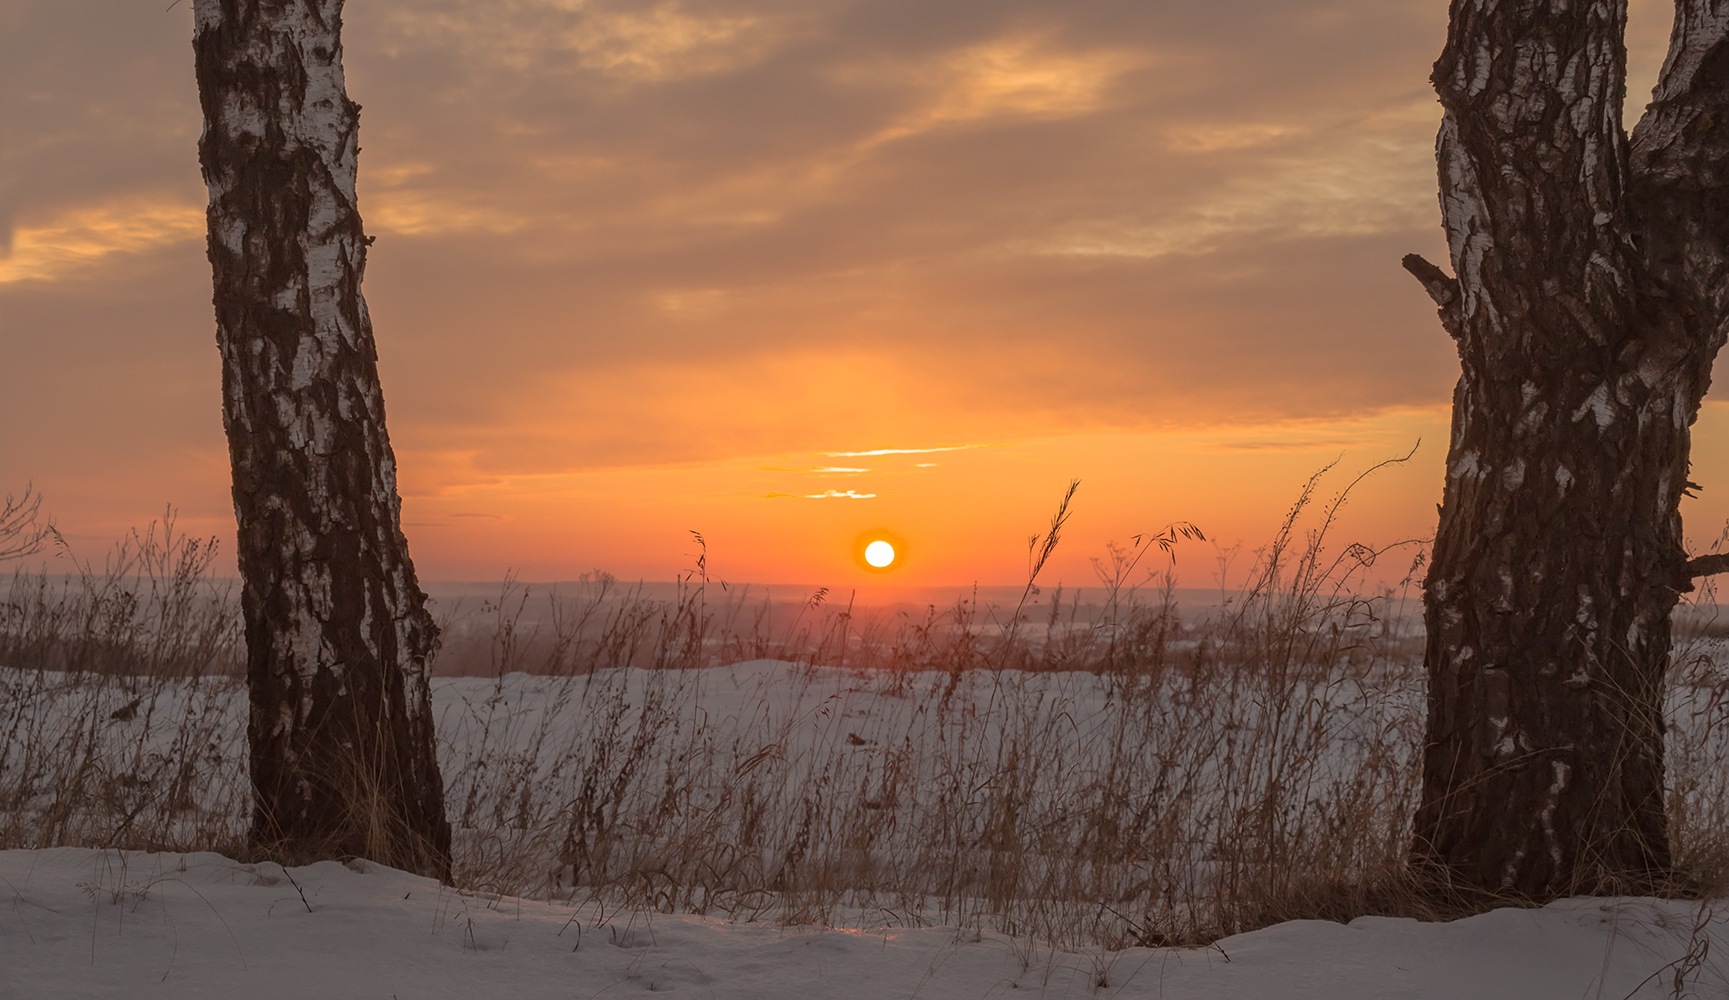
(900, 451)
(1354, 177)
(642, 43)
(84, 236)
(1007, 77)
(824, 495)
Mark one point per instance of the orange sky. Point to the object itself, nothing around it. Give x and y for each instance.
(652, 267)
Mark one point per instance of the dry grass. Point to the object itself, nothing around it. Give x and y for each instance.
(1103, 768)
(121, 719)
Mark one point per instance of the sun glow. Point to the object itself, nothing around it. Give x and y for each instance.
(880, 554)
(879, 550)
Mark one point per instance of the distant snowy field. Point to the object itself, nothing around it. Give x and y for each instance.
(82, 923)
(988, 813)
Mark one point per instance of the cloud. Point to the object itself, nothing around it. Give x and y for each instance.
(628, 43)
(393, 205)
(76, 239)
(824, 495)
(1008, 77)
(1359, 182)
(901, 451)
(643, 234)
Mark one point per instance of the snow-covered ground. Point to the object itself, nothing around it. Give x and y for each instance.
(84, 923)
(1022, 800)
(764, 794)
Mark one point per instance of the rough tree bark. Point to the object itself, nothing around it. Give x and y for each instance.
(337, 633)
(1587, 308)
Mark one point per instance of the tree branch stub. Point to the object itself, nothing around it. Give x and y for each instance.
(1442, 288)
(1709, 565)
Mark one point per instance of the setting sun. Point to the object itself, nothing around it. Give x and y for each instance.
(879, 550)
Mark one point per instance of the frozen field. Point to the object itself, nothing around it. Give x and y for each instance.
(774, 829)
(1071, 806)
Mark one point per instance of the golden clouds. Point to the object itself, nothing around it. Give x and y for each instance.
(409, 197)
(1023, 77)
(417, 212)
(79, 238)
(630, 242)
(1015, 76)
(1355, 176)
(793, 402)
(666, 42)
(649, 43)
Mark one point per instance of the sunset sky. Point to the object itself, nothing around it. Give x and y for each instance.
(781, 272)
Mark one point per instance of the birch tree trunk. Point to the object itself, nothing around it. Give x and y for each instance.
(1587, 307)
(337, 633)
